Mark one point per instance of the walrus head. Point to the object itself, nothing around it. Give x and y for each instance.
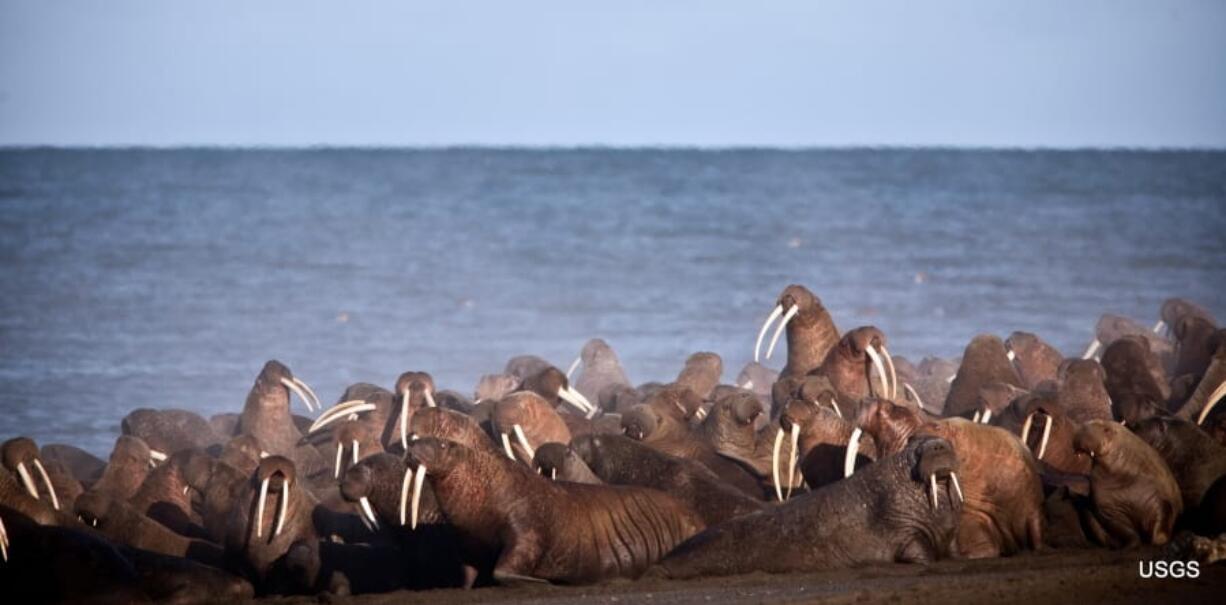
(349, 437)
(935, 465)
(796, 416)
(274, 473)
(94, 508)
(357, 485)
(20, 456)
(550, 458)
(1041, 412)
(640, 422)
(1097, 439)
(1175, 309)
(275, 383)
(524, 412)
(438, 457)
(195, 467)
(795, 300)
(866, 345)
(889, 424)
(677, 402)
(553, 386)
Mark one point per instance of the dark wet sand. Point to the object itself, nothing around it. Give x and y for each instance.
(1082, 577)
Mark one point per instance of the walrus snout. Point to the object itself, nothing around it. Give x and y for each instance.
(935, 463)
(91, 508)
(20, 455)
(639, 422)
(275, 375)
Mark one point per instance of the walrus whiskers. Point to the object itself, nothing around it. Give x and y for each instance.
(853, 448)
(55, 501)
(779, 329)
(757, 347)
(418, 480)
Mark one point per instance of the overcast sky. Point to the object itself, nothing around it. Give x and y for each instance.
(671, 72)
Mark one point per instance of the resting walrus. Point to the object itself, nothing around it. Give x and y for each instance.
(903, 508)
(544, 530)
(1135, 497)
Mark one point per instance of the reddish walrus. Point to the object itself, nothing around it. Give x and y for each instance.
(540, 530)
(1135, 497)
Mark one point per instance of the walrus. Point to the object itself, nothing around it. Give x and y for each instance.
(354, 440)
(21, 458)
(1135, 496)
(165, 495)
(84, 466)
(701, 373)
(374, 407)
(560, 463)
(123, 524)
(523, 366)
(1198, 464)
(415, 391)
(442, 423)
(993, 402)
(601, 368)
(560, 532)
(811, 332)
(985, 361)
(729, 429)
(619, 460)
(126, 469)
(619, 398)
(266, 416)
(531, 420)
(1047, 431)
(1134, 380)
(758, 378)
(1175, 309)
(849, 366)
(903, 508)
(168, 431)
(1209, 391)
(552, 385)
(1035, 360)
(1111, 328)
(1003, 512)
(270, 535)
(1082, 391)
(380, 487)
(818, 446)
(493, 387)
(648, 425)
(1196, 340)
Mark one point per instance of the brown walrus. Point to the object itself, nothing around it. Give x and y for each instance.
(902, 508)
(1135, 497)
(811, 332)
(555, 531)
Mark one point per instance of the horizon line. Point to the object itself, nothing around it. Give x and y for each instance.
(608, 147)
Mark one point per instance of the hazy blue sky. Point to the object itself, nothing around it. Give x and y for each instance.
(289, 72)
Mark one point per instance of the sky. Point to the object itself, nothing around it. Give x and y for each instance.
(1034, 73)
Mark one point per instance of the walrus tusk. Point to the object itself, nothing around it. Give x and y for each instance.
(834, 405)
(853, 448)
(553, 474)
(748, 385)
(404, 495)
(783, 323)
(919, 402)
(1211, 401)
(975, 418)
(4, 542)
(155, 457)
(368, 511)
(775, 463)
(340, 451)
(1010, 354)
(574, 365)
(430, 398)
(301, 389)
(932, 480)
(953, 477)
(259, 509)
(283, 509)
(306, 387)
(1158, 327)
(576, 399)
(792, 458)
(701, 413)
(355, 451)
(885, 388)
(523, 441)
(418, 480)
(1090, 350)
(506, 445)
(987, 416)
(1046, 435)
(1026, 428)
(338, 411)
(27, 480)
(55, 501)
(889, 362)
(757, 347)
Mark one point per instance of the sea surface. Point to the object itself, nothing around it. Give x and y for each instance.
(166, 278)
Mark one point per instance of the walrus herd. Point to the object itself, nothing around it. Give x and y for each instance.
(847, 456)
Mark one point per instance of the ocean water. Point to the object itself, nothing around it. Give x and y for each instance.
(141, 278)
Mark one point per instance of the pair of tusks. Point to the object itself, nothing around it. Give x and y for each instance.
(983, 416)
(889, 388)
(279, 521)
(28, 481)
(953, 479)
(404, 414)
(156, 458)
(1046, 432)
(575, 398)
(779, 493)
(523, 442)
(340, 410)
(340, 452)
(4, 542)
(757, 347)
(1217, 394)
(414, 503)
(304, 392)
